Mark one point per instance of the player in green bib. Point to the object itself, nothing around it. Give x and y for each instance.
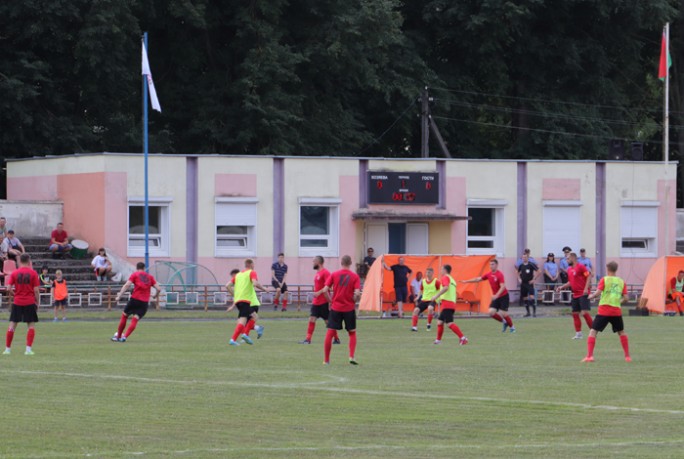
(613, 292)
(429, 287)
(243, 288)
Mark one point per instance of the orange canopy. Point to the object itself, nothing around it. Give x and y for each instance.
(657, 282)
(379, 281)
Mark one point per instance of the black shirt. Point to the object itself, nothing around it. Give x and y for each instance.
(526, 272)
(401, 275)
(369, 261)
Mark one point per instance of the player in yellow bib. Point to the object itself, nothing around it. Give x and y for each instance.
(243, 288)
(613, 292)
(428, 288)
(449, 297)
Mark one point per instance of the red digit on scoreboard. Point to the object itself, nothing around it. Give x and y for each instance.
(428, 186)
(379, 184)
(403, 183)
(397, 197)
(409, 197)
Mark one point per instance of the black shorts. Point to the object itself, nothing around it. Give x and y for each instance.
(601, 322)
(581, 304)
(62, 303)
(336, 318)
(244, 309)
(446, 316)
(254, 309)
(526, 290)
(423, 305)
(402, 293)
(136, 308)
(320, 310)
(277, 286)
(26, 314)
(501, 303)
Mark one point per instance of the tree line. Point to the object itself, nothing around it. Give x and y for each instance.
(507, 79)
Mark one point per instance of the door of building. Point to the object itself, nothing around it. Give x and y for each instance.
(376, 237)
(409, 238)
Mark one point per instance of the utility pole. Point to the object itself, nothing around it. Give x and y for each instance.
(425, 124)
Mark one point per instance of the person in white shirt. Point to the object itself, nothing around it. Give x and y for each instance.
(102, 265)
(12, 246)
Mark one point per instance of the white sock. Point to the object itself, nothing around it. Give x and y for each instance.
(28, 348)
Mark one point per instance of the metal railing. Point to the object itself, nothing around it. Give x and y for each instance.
(200, 296)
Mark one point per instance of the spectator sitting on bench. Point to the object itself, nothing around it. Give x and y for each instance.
(12, 246)
(675, 292)
(59, 241)
(102, 265)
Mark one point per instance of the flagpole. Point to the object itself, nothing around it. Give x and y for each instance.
(146, 211)
(666, 103)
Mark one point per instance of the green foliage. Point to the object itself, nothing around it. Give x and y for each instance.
(317, 77)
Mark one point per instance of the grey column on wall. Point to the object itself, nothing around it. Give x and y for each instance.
(191, 209)
(278, 206)
(441, 170)
(363, 183)
(522, 207)
(600, 261)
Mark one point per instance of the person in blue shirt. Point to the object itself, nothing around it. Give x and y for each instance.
(550, 270)
(563, 266)
(586, 261)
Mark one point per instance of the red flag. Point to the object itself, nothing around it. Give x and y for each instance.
(665, 60)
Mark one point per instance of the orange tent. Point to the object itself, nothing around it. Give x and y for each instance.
(379, 286)
(654, 296)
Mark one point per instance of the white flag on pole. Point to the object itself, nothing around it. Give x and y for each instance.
(150, 83)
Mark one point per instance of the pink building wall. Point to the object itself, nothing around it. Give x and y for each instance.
(42, 187)
(235, 184)
(561, 189)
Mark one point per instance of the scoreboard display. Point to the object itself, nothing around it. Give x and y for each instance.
(403, 187)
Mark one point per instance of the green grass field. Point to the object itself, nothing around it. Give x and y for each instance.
(177, 390)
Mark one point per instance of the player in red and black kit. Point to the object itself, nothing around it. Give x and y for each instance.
(26, 286)
(321, 300)
(498, 310)
(346, 287)
(579, 281)
(142, 283)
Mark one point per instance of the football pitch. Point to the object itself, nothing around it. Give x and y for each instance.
(176, 389)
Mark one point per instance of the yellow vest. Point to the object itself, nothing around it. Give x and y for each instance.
(244, 289)
(612, 291)
(450, 295)
(429, 289)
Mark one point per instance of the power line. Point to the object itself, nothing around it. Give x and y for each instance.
(547, 131)
(551, 101)
(556, 115)
(377, 139)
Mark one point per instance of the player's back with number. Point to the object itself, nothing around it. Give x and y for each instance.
(343, 282)
(24, 280)
(142, 283)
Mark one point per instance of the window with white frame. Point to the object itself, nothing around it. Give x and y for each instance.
(639, 229)
(236, 220)
(318, 227)
(158, 232)
(485, 234)
(561, 225)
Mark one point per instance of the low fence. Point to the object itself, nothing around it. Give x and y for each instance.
(215, 297)
(206, 297)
